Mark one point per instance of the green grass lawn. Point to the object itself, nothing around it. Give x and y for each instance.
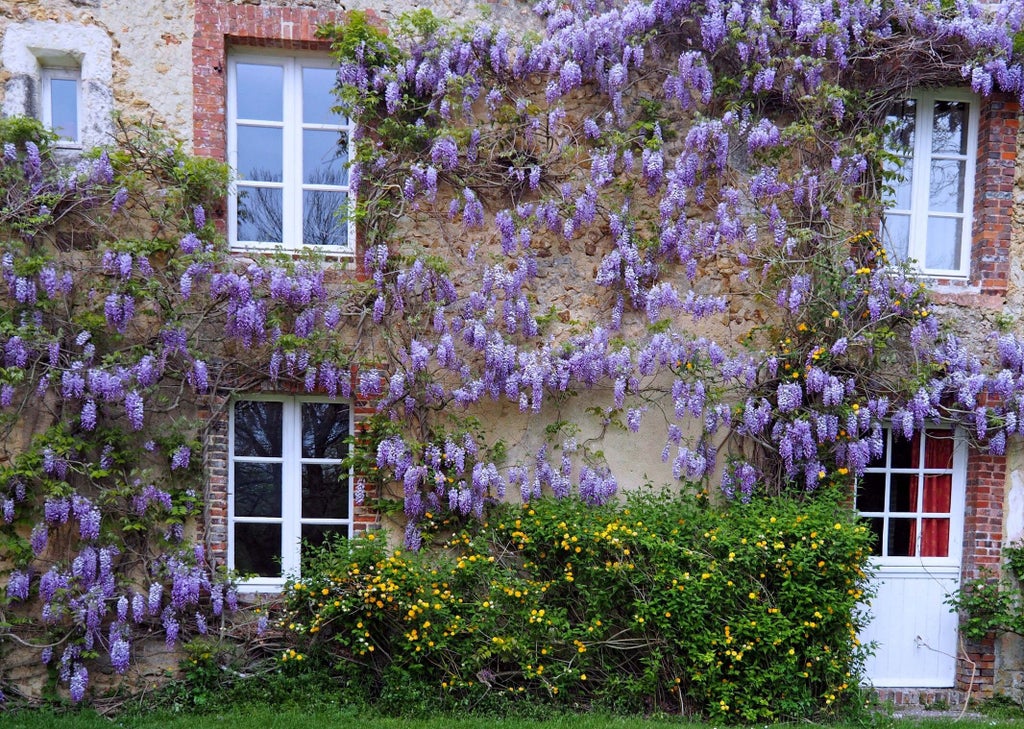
(264, 717)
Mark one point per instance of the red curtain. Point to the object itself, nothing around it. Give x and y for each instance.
(938, 490)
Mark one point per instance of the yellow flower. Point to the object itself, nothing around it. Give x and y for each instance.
(835, 313)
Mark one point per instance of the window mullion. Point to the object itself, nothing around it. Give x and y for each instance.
(922, 177)
(291, 487)
(292, 154)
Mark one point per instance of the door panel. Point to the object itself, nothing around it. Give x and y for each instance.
(914, 632)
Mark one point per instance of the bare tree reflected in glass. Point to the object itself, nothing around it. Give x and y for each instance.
(261, 212)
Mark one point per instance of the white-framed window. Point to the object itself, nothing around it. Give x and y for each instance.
(61, 101)
(933, 136)
(60, 73)
(287, 483)
(289, 152)
(912, 498)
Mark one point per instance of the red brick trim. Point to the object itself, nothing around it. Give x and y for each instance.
(219, 25)
(213, 530)
(993, 208)
(982, 549)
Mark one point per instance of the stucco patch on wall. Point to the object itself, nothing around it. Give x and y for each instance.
(30, 46)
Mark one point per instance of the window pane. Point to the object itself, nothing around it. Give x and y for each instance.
(260, 153)
(946, 186)
(258, 489)
(64, 107)
(900, 126)
(324, 429)
(324, 492)
(321, 224)
(902, 535)
(258, 549)
(937, 493)
(260, 91)
(260, 214)
(875, 524)
(324, 154)
(935, 537)
(903, 492)
(896, 235)
(258, 428)
(317, 98)
(903, 452)
(901, 183)
(871, 492)
(949, 127)
(944, 237)
(315, 534)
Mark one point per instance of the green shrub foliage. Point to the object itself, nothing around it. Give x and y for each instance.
(748, 613)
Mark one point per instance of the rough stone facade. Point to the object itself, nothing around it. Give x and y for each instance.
(165, 61)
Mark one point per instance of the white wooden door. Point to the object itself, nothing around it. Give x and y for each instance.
(913, 498)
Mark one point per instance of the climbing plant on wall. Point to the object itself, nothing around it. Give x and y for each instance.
(709, 173)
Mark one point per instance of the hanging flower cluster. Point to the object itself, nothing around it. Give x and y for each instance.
(658, 207)
(678, 139)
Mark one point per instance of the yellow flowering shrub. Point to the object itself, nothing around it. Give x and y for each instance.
(746, 613)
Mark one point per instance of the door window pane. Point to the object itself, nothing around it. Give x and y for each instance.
(877, 525)
(903, 492)
(935, 537)
(871, 492)
(902, 535)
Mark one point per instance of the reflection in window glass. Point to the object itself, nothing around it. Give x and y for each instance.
(259, 91)
(288, 481)
(258, 428)
(930, 184)
(64, 108)
(284, 135)
(949, 129)
(260, 215)
(320, 226)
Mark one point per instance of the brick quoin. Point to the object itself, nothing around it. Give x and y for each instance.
(993, 208)
(983, 536)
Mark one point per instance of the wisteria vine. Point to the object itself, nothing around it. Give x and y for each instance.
(713, 165)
